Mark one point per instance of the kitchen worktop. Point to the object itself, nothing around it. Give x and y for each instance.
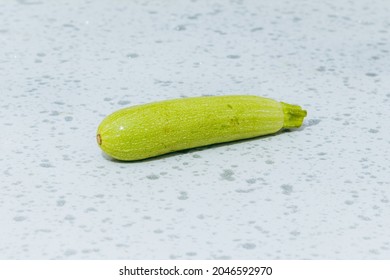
(318, 192)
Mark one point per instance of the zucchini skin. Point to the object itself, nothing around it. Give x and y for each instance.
(157, 128)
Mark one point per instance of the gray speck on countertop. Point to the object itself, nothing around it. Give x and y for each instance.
(287, 189)
(227, 175)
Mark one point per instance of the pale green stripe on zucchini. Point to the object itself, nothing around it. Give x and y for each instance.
(157, 128)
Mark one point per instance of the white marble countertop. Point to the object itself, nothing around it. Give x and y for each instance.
(321, 192)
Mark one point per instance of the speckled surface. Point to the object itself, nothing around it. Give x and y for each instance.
(321, 192)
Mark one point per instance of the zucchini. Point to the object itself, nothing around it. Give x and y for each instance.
(157, 128)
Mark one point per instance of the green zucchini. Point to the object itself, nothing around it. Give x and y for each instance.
(157, 128)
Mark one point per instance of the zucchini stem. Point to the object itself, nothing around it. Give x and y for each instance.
(293, 115)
